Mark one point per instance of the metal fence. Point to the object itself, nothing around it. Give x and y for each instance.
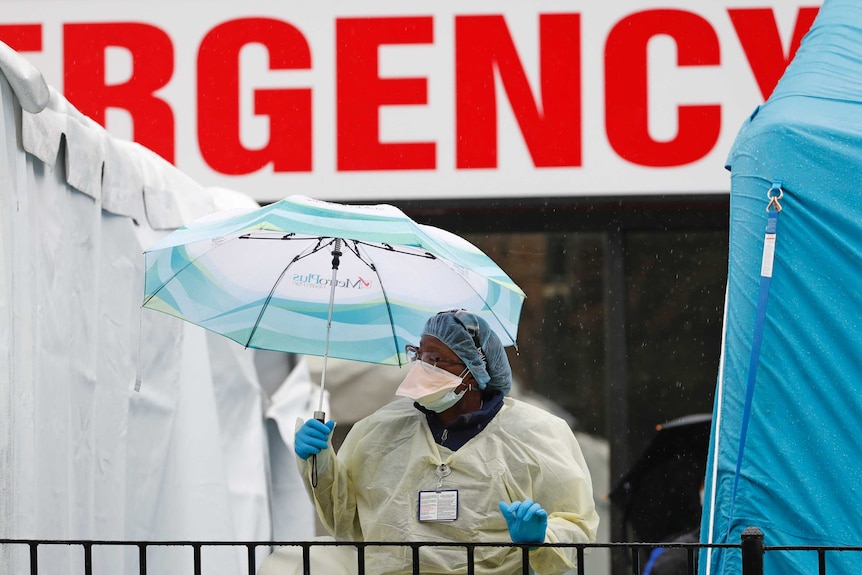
(751, 548)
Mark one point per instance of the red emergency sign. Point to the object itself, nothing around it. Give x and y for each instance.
(486, 63)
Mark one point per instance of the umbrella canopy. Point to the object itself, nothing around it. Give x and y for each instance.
(659, 496)
(320, 278)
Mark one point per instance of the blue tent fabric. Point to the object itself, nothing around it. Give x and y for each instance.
(800, 476)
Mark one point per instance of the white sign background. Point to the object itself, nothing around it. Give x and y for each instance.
(731, 84)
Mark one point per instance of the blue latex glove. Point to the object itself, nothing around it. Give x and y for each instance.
(312, 437)
(527, 521)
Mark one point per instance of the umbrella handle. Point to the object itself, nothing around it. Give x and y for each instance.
(321, 417)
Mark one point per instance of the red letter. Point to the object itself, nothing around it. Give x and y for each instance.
(626, 88)
(758, 34)
(361, 92)
(289, 111)
(22, 37)
(84, 48)
(552, 134)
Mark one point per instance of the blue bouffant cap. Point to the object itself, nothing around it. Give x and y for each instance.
(476, 344)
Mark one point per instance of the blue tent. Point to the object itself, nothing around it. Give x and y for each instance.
(786, 443)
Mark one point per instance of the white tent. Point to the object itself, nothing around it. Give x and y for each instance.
(82, 454)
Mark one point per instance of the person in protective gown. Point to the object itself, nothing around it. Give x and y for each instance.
(454, 460)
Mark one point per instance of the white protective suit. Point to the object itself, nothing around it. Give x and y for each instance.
(370, 490)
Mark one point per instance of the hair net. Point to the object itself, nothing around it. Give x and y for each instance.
(473, 340)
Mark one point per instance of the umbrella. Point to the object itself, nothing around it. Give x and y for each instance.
(659, 495)
(306, 276)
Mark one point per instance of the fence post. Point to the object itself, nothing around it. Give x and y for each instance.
(752, 551)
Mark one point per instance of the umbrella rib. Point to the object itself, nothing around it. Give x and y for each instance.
(273, 236)
(291, 236)
(499, 321)
(490, 309)
(390, 248)
(353, 246)
(319, 246)
(355, 249)
(388, 308)
(170, 279)
(269, 297)
(429, 255)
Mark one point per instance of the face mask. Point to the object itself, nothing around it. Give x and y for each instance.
(438, 404)
(432, 387)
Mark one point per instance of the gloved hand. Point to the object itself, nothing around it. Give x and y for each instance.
(527, 521)
(311, 438)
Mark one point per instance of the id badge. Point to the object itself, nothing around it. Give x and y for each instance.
(438, 505)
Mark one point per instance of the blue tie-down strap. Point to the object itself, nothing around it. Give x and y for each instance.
(773, 209)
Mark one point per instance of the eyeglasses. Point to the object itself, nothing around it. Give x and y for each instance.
(429, 357)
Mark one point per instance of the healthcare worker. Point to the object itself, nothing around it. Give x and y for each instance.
(454, 460)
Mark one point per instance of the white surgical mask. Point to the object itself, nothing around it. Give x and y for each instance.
(438, 403)
(433, 388)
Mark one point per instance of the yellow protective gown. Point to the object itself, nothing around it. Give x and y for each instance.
(370, 490)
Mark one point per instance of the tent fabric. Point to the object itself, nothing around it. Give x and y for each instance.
(800, 467)
(82, 455)
(29, 86)
(127, 178)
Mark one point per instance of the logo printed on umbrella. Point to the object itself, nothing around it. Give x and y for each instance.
(320, 281)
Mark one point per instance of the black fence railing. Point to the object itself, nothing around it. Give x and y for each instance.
(27, 551)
